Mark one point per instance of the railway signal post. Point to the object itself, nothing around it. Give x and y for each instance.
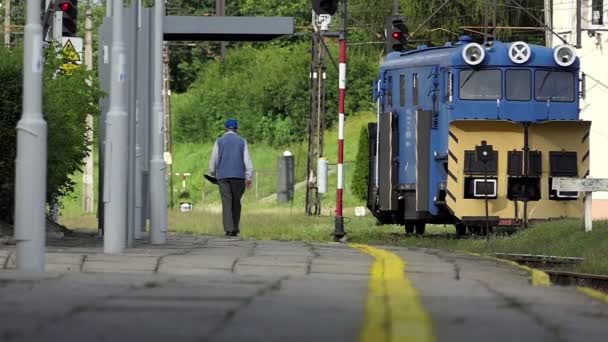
(339, 232)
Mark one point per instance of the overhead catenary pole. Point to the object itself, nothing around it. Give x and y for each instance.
(579, 22)
(87, 177)
(116, 154)
(132, 33)
(549, 23)
(7, 23)
(316, 122)
(168, 148)
(339, 232)
(30, 165)
(220, 10)
(158, 182)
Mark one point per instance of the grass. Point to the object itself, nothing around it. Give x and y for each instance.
(268, 220)
(194, 158)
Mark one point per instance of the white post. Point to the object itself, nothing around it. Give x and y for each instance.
(87, 177)
(31, 161)
(158, 178)
(7, 23)
(116, 146)
(588, 218)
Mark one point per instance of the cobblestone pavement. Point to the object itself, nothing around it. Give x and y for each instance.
(199, 288)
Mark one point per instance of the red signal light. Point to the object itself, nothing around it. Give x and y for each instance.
(65, 6)
(397, 35)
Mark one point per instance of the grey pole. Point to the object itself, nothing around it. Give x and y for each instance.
(87, 187)
(133, 31)
(7, 23)
(108, 8)
(30, 165)
(158, 181)
(116, 155)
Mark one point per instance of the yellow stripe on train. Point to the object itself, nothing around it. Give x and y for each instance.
(505, 136)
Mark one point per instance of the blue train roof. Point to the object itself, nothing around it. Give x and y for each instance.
(451, 55)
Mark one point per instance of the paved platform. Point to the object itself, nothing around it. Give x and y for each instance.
(199, 288)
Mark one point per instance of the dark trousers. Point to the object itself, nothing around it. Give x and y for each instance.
(231, 191)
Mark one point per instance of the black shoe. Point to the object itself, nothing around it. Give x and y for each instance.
(231, 233)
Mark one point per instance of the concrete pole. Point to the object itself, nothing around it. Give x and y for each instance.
(108, 8)
(549, 23)
(158, 181)
(116, 154)
(87, 177)
(133, 53)
(220, 11)
(7, 23)
(30, 165)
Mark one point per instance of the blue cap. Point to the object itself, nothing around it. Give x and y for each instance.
(232, 124)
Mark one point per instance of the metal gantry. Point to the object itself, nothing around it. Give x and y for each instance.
(316, 123)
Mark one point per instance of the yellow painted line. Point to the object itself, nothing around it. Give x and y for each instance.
(537, 277)
(394, 310)
(599, 295)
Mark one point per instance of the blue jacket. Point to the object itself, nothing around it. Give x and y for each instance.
(230, 158)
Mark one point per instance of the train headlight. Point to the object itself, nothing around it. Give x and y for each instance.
(519, 52)
(564, 55)
(473, 54)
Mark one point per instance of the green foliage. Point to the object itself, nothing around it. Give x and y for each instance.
(66, 100)
(359, 181)
(267, 89)
(11, 90)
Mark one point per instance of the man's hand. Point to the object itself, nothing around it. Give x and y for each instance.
(248, 183)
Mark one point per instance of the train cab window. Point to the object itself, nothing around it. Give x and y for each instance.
(519, 85)
(554, 86)
(480, 84)
(415, 89)
(389, 92)
(402, 90)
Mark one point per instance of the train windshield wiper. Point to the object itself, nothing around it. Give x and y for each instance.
(542, 84)
(467, 79)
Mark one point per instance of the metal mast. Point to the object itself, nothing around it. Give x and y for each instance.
(30, 165)
(316, 121)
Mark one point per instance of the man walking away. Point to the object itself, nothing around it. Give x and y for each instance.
(231, 164)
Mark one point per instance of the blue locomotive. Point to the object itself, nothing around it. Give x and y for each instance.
(472, 135)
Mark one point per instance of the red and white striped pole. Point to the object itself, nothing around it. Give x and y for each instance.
(339, 232)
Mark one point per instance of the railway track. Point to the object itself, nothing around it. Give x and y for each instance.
(559, 269)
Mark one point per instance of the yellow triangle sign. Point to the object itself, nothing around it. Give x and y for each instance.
(69, 52)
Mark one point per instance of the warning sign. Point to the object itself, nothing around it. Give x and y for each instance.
(70, 53)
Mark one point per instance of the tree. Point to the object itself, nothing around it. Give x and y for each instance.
(361, 174)
(66, 100)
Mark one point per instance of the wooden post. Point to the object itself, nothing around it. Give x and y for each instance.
(588, 218)
(87, 187)
(7, 23)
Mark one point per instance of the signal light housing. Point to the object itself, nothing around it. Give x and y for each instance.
(395, 34)
(69, 9)
(325, 6)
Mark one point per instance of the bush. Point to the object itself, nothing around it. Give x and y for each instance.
(361, 174)
(268, 90)
(66, 101)
(11, 90)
